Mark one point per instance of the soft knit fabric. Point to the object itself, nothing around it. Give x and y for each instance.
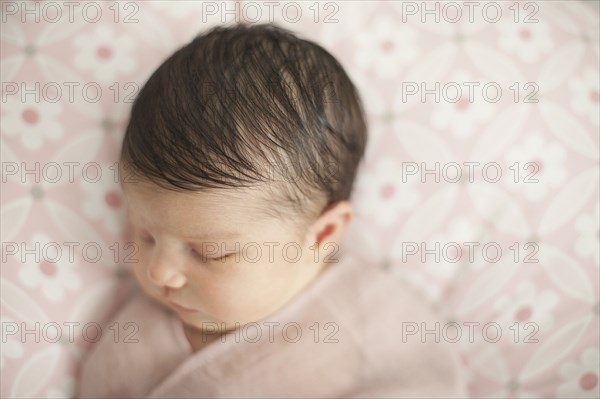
(355, 350)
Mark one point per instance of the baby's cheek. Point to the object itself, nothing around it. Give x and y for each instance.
(250, 293)
(138, 268)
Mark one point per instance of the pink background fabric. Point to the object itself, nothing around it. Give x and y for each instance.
(383, 46)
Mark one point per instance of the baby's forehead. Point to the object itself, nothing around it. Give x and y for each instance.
(146, 199)
(202, 217)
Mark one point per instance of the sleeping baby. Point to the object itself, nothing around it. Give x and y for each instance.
(237, 167)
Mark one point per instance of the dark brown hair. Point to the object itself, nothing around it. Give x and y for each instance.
(242, 105)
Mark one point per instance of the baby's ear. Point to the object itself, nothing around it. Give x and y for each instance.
(332, 223)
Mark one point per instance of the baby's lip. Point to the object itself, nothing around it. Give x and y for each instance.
(182, 308)
(175, 304)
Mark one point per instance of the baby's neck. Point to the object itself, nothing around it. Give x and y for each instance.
(198, 339)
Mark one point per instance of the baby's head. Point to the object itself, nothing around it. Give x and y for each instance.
(238, 164)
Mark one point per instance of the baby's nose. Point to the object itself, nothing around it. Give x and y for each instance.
(165, 275)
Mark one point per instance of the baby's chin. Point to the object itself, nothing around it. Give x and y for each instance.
(205, 323)
(196, 319)
(200, 323)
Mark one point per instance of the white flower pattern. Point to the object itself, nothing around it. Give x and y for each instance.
(385, 46)
(382, 195)
(12, 347)
(461, 242)
(105, 53)
(383, 55)
(52, 271)
(537, 166)
(104, 201)
(527, 304)
(35, 122)
(585, 95)
(580, 378)
(463, 117)
(528, 41)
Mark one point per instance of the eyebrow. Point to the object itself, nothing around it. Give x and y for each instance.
(197, 239)
(224, 236)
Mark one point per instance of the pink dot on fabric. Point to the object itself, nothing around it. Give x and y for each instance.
(387, 191)
(540, 166)
(113, 199)
(30, 116)
(104, 52)
(523, 314)
(595, 96)
(48, 268)
(525, 34)
(462, 104)
(387, 46)
(588, 381)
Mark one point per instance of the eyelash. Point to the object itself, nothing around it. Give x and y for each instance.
(149, 240)
(219, 259)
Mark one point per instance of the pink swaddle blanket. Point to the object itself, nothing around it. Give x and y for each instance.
(340, 337)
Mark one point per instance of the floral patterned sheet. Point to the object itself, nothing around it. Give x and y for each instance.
(480, 184)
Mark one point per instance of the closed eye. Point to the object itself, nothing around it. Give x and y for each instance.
(222, 258)
(206, 259)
